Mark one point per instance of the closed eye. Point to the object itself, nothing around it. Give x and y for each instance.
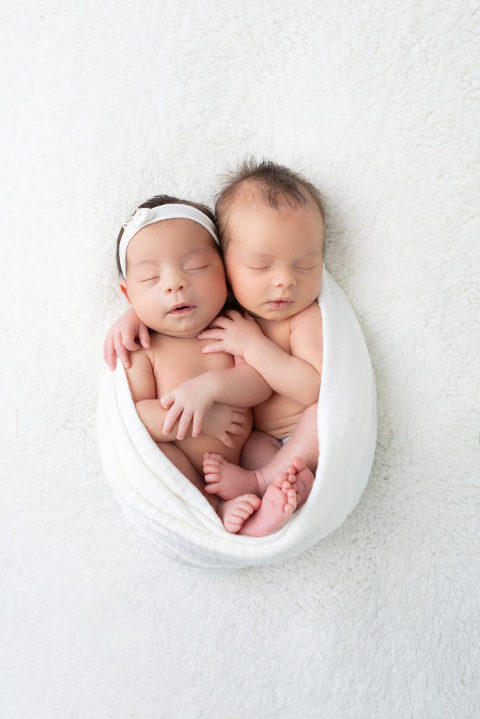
(150, 279)
(200, 267)
(267, 267)
(304, 267)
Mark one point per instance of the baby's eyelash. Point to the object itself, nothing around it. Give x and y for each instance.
(149, 279)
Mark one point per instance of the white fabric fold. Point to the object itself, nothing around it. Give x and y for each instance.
(172, 514)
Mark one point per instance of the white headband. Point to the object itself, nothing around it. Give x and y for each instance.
(146, 216)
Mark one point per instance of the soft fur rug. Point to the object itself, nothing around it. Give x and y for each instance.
(106, 104)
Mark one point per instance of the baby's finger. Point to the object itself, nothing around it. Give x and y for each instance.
(143, 335)
(130, 343)
(217, 347)
(235, 428)
(172, 415)
(210, 334)
(166, 400)
(121, 351)
(233, 314)
(106, 349)
(109, 353)
(197, 423)
(225, 439)
(184, 423)
(220, 321)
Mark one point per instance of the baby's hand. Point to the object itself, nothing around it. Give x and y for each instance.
(233, 332)
(222, 420)
(191, 400)
(121, 337)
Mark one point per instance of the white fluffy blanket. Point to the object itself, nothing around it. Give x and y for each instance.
(106, 103)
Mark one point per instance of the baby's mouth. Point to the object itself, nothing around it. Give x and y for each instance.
(181, 309)
(280, 303)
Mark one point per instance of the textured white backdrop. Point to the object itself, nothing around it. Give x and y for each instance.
(105, 104)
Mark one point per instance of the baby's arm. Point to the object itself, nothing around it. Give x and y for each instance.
(240, 386)
(220, 421)
(142, 387)
(296, 376)
(121, 338)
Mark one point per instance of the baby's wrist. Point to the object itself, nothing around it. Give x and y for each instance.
(212, 388)
(255, 350)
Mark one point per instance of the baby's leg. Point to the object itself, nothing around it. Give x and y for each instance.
(299, 456)
(228, 480)
(183, 464)
(258, 450)
(233, 513)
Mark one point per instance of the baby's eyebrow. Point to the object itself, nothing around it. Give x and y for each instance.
(143, 262)
(313, 253)
(260, 254)
(196, 251)
(155, 261)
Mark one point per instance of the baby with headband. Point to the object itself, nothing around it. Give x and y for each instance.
(271, 223)
(173, 276)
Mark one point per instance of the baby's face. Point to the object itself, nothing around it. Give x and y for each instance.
(175, 277)
(274, 260)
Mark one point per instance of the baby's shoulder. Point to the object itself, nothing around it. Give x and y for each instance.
(307, 320)
(306, 335)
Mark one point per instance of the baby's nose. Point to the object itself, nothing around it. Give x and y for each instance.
(174, 283)
(284, 278)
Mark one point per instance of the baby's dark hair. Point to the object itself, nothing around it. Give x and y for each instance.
(158, 200)
(277, 186)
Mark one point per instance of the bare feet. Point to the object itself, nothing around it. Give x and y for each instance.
(301, 478)
(234, 512)
(278, 504)
(227, 480)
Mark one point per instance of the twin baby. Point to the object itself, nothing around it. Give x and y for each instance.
(202, 368)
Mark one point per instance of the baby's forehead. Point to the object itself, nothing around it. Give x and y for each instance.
(148, 246)
(253, 210)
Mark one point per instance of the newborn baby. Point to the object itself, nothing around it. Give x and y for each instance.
(174, 279)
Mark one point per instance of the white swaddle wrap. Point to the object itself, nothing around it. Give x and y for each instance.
(172, 513)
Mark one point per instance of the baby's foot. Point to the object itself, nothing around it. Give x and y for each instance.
(234, 512)
(225, 479)
(278, 504)
(301, 478)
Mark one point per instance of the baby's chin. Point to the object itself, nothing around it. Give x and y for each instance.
(179, 328)
(188, 333)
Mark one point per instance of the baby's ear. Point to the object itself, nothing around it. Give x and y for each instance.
(123, 288)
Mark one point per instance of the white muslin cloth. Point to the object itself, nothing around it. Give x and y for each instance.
(172, 514)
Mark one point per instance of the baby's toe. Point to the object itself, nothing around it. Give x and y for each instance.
(212, 488)
(210, 475)
(298, 463)
(280, 479)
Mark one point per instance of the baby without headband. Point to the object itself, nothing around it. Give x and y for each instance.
(147, 215)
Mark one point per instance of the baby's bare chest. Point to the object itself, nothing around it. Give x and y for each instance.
(176, 360)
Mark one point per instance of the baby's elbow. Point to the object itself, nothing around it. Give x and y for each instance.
(265, 394)
(311, 393)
